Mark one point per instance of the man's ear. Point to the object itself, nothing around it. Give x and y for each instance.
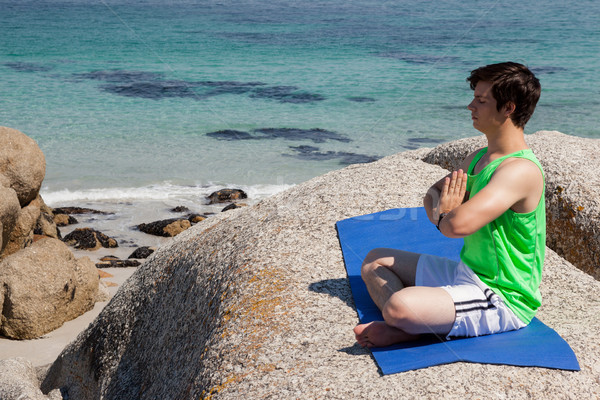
(509, 108)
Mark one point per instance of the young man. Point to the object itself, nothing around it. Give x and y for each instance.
(495, 201)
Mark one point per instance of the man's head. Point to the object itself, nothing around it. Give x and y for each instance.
(512, 83)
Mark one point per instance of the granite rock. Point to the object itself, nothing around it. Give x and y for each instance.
(18, 381)
(226, 195)
(43, 286)
(22, 164)
(256, 300)
(9, 210)
(21, 235)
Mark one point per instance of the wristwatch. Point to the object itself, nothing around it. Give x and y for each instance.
(442, 215)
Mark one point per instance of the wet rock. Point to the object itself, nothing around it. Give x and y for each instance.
(117, 263)
(43, 286)
(89, 239)
(22, 164)
(64, 220)
(233, 206)
(195, 218)
(180, 209)
(167, 227)
(226, 195)
(142, 252)
(78, 210)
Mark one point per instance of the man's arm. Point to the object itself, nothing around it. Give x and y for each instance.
(515, 183)
(431, 199)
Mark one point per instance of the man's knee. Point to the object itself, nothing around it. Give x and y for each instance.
(400, 313)
(370, 263)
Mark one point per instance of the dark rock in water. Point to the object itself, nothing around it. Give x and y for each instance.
(142, 252)
(27, 66)
(313, 153)
(151, 90)
(230, 134)
(195, 218)
(228, 87)
(167, 227)
(64, 220)
(120, 76)
(117, 263)
(360, 99)
(317, 135)
(286, 94)
(226, 195)
(78, 210)
(180, 209)
(233, 206)
(89, 239)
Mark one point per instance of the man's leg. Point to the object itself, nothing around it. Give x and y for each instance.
(408, 311)
(387, 271)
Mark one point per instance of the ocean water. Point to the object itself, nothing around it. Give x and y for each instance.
(135, 102)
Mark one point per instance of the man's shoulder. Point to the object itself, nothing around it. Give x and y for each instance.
(469, 158)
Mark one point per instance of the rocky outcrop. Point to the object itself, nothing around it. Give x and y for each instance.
(166, 227)
(89, 239)
(22, 164)
(256, 301)
(43, 286)
(572, 186)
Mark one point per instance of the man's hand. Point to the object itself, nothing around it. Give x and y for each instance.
(452, 193)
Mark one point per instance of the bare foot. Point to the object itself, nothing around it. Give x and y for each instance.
(380, 334)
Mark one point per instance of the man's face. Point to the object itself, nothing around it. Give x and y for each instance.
(485, 116)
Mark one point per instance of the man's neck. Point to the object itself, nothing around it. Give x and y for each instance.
(506, 140)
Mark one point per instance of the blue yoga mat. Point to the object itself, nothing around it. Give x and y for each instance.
(409, 229)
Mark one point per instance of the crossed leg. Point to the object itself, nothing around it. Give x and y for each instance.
(408, 310)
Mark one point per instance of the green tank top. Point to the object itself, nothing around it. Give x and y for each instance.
(508, 253)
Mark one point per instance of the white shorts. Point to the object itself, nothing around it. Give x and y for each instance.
(479, 311)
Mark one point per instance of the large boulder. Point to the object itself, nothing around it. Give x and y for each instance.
(572, 190)
(256, 302)
(9, 209)
(43, 286)
(22, 164)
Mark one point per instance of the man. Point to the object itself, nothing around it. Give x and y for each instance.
(495, 201)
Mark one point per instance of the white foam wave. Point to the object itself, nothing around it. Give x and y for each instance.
(159, 192)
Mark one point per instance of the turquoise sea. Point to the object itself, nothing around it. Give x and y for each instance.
(135, 100)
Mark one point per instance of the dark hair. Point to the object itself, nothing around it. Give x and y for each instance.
(511, 82)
